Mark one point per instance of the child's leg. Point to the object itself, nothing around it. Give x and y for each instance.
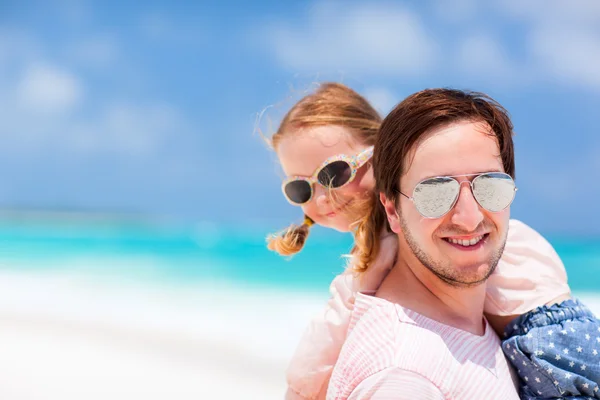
(556, 351)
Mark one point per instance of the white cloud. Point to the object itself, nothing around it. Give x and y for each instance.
(570, 55)
(44, 88)
(374, 38)
(560, 43)
(45, 110)
(534, 42)
(563, 38)
(44, 107)
(117, 127)
(382, 99)
(127, 128)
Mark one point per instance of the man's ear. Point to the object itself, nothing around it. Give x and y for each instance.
(392, 214)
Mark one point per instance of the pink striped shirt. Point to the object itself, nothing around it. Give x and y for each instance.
(394, 353)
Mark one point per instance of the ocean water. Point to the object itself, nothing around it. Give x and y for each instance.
(208, 253)
(176, 254)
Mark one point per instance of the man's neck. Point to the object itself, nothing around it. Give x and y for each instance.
(413, 286)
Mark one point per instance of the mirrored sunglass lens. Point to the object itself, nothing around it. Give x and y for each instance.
(298, 191)
(494, 191)
(434, 197)
(335, 174)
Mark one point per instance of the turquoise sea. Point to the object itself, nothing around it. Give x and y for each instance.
(201, 253)
(174, 253)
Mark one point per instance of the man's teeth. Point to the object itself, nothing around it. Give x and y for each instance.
(462, 242)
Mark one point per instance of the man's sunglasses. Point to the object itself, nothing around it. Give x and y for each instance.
(435, 197)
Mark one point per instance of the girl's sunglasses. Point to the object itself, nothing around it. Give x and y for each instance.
(435, 197)
(334, 173)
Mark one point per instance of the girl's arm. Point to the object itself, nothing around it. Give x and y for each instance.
(319, 348)
(311, 366)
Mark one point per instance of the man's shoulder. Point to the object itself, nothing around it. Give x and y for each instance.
(370, 345)
(379, 331)
(370, 311)
(384, 331)
(385, 322)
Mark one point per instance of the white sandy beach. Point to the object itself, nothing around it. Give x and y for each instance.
(68, 337)
(73, 337)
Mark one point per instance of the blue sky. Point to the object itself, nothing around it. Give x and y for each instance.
(152, 107)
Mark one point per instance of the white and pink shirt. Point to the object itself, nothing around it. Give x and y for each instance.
(395, 353)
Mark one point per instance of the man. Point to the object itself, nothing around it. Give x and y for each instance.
(443, 166)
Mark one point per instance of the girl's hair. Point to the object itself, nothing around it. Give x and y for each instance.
(291, 240)
(330, 104)
(369, 228)
(402, 130)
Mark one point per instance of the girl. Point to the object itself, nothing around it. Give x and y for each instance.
(324, 144)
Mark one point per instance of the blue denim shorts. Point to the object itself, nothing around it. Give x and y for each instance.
(556, 351)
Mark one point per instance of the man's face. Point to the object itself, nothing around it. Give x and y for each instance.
(461, 148)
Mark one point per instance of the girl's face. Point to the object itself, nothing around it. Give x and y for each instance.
(301, 153)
